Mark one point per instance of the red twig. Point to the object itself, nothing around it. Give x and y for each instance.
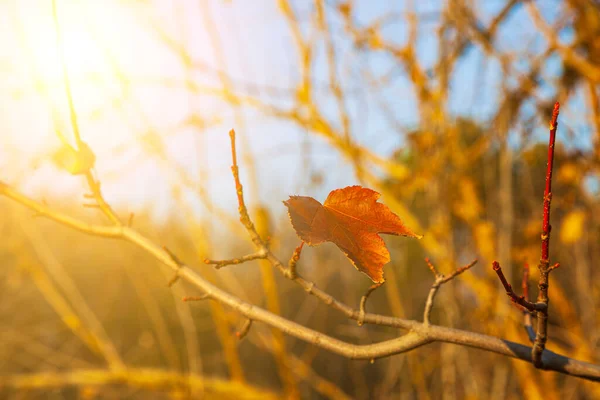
(431, 267)
(526, 313)
(548, 190)
(544, 265)
(541, 306)
(520, 300)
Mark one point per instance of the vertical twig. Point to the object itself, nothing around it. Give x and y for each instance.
(363, 303)
(294, 261)
(544, 265)
(239, 190)
(526, 313)
(93, 184)
(440, 279)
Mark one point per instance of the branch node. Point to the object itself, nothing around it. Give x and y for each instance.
(177, 262)
(309, 287)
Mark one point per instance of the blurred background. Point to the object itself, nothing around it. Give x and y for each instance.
(441, 106)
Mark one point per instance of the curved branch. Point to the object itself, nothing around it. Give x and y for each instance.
(419, 333)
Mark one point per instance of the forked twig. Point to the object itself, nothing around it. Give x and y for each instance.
(440, 279)
(177, 261)
(520, 300)
(544, 265)
(419, 333)
(541, 306)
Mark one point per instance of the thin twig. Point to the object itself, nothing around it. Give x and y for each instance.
(432, 268)
(259, 255)
(520, 300)
(294, 261)
(419, 335)
(440, 279)
(544, 265)
(93, 184)
(458, 271)
(245, 217)
(195, 298)
(244, 329)
(363, 302)
(526, 313)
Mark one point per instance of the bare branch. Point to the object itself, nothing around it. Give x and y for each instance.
(520, 300)
(544, 265)
(177, 261)
(294, 260)
(440, 279)
(363, 302)
(526, 313)
(419, 335)
(92, 182)
(260, 255)
(196, 298)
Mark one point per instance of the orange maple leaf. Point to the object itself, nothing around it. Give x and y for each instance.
(352, 219)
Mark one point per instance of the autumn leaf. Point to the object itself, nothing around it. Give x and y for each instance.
(352, 219)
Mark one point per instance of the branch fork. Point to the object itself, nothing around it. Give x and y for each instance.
(540, 307)
(440, 279)
(419, 334)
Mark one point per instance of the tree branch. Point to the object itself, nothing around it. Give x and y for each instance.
(520, 300)
(440, 279)
(544, 265)
(419, 333)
